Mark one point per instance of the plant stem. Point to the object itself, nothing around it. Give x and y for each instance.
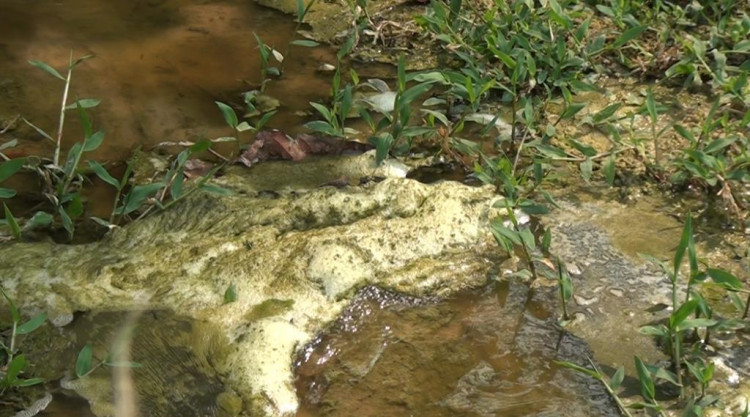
(12, 342)
(56, 159)
(747, 307)
(676, 359)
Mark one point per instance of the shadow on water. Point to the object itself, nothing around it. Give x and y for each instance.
(159, 67)
(483, 353)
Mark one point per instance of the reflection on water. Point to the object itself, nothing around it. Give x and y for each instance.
(159, 66)
(487, 353)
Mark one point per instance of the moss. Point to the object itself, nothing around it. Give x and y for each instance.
(269, 308)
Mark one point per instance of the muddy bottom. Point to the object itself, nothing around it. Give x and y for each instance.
(169, 365)
(159, 67)
(483, 353)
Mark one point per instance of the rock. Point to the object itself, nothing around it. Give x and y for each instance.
(315, 248)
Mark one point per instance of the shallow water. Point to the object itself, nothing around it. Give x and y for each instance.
(159, 67)
(483, 353)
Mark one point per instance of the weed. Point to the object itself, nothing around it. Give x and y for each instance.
(14, 363)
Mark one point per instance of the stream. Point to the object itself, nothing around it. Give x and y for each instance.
(387, 296)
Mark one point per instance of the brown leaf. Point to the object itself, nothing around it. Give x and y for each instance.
(275, 144)
(196, 168)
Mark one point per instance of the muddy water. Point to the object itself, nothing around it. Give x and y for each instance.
(484, 353)
(159, 67)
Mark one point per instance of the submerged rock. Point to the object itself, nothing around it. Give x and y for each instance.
(309, 251)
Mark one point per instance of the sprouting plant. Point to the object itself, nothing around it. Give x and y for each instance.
(302, 11)
(679, 321)
(13, 363)
(515, 234)
(334, 118)
(611, 384)
(566, 287)
(62, 181)
(398, 119)
(82, 103)
(265, 52)
(85, 362)
(159, 195)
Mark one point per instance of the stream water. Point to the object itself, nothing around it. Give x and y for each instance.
(159, 66)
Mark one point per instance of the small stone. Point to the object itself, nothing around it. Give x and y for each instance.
(583, 301)
(617, 292)
(325, 67)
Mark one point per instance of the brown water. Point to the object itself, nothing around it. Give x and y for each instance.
(159, 67)
(484, 353)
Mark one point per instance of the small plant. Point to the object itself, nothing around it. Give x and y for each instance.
(85, 362)
(12, 362)
(62, 182)
(611, 384)
(159, 195)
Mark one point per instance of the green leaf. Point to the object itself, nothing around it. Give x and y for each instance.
(682, 313)
(15, 367)
(586, 150)
(687, 232)
(10, 167)
(85, 103)
(647, 383)
(242, 127)
(102, 173)
(498, 229)
(137, 196)
(230, 117)
(628, 35)
(572, 110)
(305, 42)
(14, 313)
(39, 220)
(230, 295)
(547, 240)
(651, 105)
(617, 378)
(67, 222)
(85, 122)
(32, 324)
(659, 330)
(93, 142)
(323, 110)
(215, 189)
(587, 168)
(606, 112)
(718, 145)
(550, 151)
(101, 222)
(75, 207)
(200, 146)
(725, 279)
(321, 127)
(383, 145)
(695, 323)
(527, 238)
(83, 363)
(580, 369)
(46, 68)
(15, 230)
(7, 193)
(28, 382)
(609, 170)
(684, 133)
(39, 130)
(176, 190)
(347, 46)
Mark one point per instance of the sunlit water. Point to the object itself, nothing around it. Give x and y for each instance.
(483, 353)
(159, 67)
